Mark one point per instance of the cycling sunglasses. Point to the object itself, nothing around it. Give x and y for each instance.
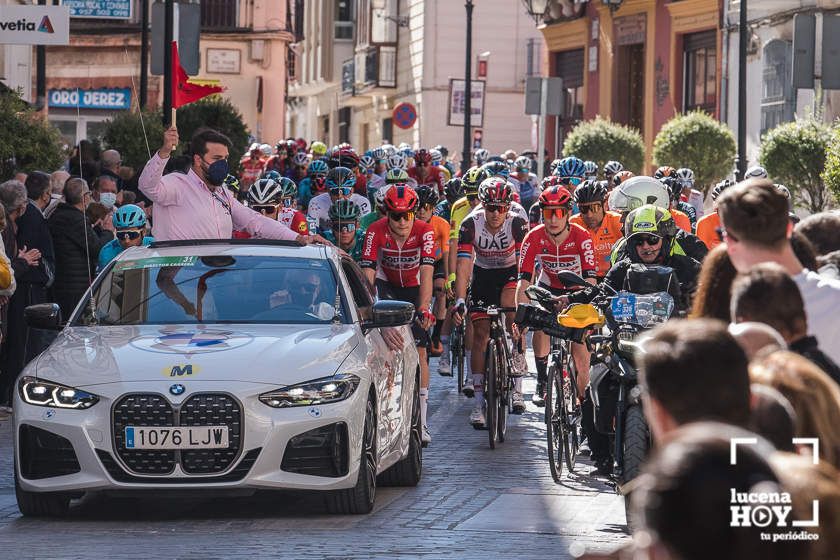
(574, 181)
(341, 191)
(650, 240)
(128, 234)
(497, 208)
(559, 211)
(287, 202)
(587, 208)
(265, 208)
(347, 227)
(400, 216)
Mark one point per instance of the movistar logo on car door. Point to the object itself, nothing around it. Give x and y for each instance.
(181, 370)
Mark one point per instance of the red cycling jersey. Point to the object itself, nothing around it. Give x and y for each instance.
(398, 265)
(294, 220)
(434, 177)
(575, 254)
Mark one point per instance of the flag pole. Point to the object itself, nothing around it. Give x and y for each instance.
(168, 27)
(172, 121)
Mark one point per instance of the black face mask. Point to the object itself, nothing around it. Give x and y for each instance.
(215, 172)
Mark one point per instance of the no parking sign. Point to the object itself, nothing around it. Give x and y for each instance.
(405, 115)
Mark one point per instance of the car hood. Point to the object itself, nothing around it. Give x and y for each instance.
(271, 354)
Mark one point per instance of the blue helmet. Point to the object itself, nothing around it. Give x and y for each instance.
(274, 175)
(129, 216)
(317, 166)
(570, 167)
(339, 177)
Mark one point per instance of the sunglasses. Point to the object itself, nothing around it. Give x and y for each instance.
(724, 235)
(123, 235)
(287, 202)
(560, 212)
(400, 216)
(341, 191)
(497, 208)
(575, 181)
(650, 240)
(265, 208)
(347, 228)
(587, 208)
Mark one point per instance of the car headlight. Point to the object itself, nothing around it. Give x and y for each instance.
(45, 393)
(319, 391)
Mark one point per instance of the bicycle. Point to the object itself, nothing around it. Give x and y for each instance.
(457, 349)
(498, 379)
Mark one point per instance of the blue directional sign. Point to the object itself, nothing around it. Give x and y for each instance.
(105, 98)
(100, 9)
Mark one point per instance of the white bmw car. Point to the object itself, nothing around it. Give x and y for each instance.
(220, 365)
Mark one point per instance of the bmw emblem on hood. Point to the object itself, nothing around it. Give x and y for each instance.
(177, 389)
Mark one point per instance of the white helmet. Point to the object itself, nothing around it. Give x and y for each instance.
(379, 197)
(265, 191)
(755, 172)
(638, 191)
(397, 161)
(266, 149)
(481, 156)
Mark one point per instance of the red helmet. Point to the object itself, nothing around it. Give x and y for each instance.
(344, 157)
(400, 198)
(422, 156)
(555, 196)
(495, 190)
(664, 171)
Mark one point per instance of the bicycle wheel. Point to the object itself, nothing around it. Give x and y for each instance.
(554, 428)
(491, 393)
(570, 416)
(502, 382)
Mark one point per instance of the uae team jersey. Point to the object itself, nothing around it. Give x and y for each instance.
(492, 250)
(603, 239)
(574, 254)
(399, 265)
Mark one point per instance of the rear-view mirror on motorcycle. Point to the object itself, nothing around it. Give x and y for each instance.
(571, 279)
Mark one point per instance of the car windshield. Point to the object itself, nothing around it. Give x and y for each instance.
(215, 289)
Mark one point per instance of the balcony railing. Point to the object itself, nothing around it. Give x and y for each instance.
(219, 14)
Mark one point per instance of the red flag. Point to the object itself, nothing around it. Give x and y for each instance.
(183, 91)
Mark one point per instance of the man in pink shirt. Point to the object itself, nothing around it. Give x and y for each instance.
(195, 205)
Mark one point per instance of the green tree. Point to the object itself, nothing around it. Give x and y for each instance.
(602, 140)
(28, 142)
(218, 113)
(135, 136)
(699, 142)
(831, 175)
(794, 154)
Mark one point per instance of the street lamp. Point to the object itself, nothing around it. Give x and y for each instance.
(537, 9)
(613, 5)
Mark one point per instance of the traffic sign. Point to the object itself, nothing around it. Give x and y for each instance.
(405, 115)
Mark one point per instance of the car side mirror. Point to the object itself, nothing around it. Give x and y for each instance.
(46, 316)
(571, 279)
(390, 313)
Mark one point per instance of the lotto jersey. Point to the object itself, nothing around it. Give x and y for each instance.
(294, 220)
(434, 177)
(492, 250)
(399, 265)
(707, 230)
(603, 239)
(574, 254)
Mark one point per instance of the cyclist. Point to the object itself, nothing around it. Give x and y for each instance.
(252, 165)
(535, 211)
(397, 161)
(345, 156)
(424, 172)
(755, 172)
(398, 259)
(297, 171)
(378, 212)
(279, 162)
(571, 168)
(489, 240)
(528, 191)
(339, 182)
(317, 170)
(318, 150)
(345, 232)
(368, 167)
(664, 171)
(130, 228)
(453, 190)
(611, 169)
(481, 156)
(678, 206)
(690, 195)
(233, 185)
(707, 226)
(438, 163)
(380, 158)
(427, 201)
(555, 245)
(603, 226)
(591, 169)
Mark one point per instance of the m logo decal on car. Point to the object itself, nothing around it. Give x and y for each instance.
(181, 370)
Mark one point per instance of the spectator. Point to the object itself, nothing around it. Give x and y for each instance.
(814, 396)
(767, 294)
(105, 191)
(129, 197)
(804, 251)
(195, 205)
(110, 163)
(822, 231)
(82, 162)
(772, 417)
(682, 500)
(76, 245)
(756, 229)
(57, 180)
(7, 290)
(714, 286)
(830, 265)
(755, 338)
(96, 213)
(20, 176)
(687, 358)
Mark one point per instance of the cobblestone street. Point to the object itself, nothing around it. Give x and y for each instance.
(471, 503)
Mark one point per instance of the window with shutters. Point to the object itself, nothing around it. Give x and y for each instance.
(700, 67)
(777, 101)
(344, 20)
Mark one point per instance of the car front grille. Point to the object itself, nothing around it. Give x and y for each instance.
(201, 409)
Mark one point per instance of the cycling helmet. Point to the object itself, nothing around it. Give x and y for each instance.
(553, 181)
(389, 149)
(407, 152)
(400, 198)
(622, 176)
(339, 177)
(422, 156)
(570, 167)
(318, 167)
(674, 188)
(590, 191)
(639, 191)
(288, 188)
(379, 198)
(651, 220)
(273, 174)
(300, 159)
(378, 154)
(443, 150)
(685, 177)
(404, 146)
(523, 162)
(426, 194)
(755, 172)
(590, 170)
(292, 145)
(344, 210)
(554, 165)
(495, 190)
(396, 175)
(129, 216)
(318, 184)
(782, 189)
(472, 179)
(344, 157)
(318, 149)
(266, 149)
(265, 191)
(232, 183)
(481, 155)
(496, 169)
(612, 167)
(453, 189)
(437, 156)
(397, 161)
(556, 196)
(719, 188)
(280, 146)
(367, 163)
(664, 171)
